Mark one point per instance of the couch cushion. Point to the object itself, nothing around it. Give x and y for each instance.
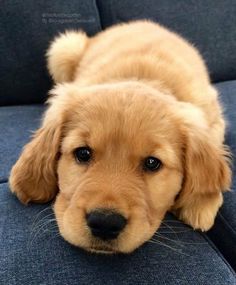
(16, 126)
(209, 25)
(32, 252)
(25, 31)
(224, 231)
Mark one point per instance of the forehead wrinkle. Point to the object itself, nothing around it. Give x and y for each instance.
(102, 133)
(118, 124)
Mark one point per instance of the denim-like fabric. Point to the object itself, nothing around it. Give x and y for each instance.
(33, 253)
(26, 28)
(224, 231)
(209, 25)
(16, 126)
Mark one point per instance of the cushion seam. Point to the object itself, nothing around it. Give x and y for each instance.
(3, 180)
(98, 14)
(223, 81)
(220, 255)
(226, 223)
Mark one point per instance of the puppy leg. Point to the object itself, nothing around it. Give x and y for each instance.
(200, 211)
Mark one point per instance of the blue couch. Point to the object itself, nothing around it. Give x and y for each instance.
(31, 251)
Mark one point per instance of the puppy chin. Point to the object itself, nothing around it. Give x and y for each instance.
(74, 230)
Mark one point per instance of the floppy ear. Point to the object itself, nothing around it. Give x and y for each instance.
(33, 177)
(206, 175)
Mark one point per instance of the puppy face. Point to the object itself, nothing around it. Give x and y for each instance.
(121, 155)
(132, 170)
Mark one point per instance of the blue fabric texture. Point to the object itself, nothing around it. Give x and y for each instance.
(33, 253)
(209, 25)
(224, 231)
(16, 125)
(26, 29)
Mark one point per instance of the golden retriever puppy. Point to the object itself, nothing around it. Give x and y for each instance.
(134, 129)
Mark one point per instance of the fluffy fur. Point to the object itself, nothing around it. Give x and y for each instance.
(132, 91)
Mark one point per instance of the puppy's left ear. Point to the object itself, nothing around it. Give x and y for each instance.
(206, 176)
(34, 177)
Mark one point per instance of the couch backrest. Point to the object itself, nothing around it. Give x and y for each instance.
(210, 25)
(27, 27)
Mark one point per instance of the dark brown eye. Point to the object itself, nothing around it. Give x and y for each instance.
(83, 154)
(152, 164)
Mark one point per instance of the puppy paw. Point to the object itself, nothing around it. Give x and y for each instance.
(198, 219)
(202, 212)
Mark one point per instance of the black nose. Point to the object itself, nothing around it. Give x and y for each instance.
(105, 224)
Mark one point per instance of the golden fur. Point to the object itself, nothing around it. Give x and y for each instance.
(132, 91)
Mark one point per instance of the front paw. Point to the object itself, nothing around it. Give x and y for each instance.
(201, 213)
(198, 219)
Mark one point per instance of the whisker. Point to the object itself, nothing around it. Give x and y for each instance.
(42, 222)
(41, 212)
(169, 239)
(167, 246)
(179, 241)
(169, 227)
(177, 232)
(36, 233)
(37, 223)
(174, 227)
(174, 221)
(42, 226)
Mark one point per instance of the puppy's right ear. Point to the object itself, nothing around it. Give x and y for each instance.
(206, 165)
(33, 177)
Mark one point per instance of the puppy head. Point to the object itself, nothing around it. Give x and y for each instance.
(120, 154)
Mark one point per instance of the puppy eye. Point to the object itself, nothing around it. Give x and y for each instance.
(152, 164)
(83, 154)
